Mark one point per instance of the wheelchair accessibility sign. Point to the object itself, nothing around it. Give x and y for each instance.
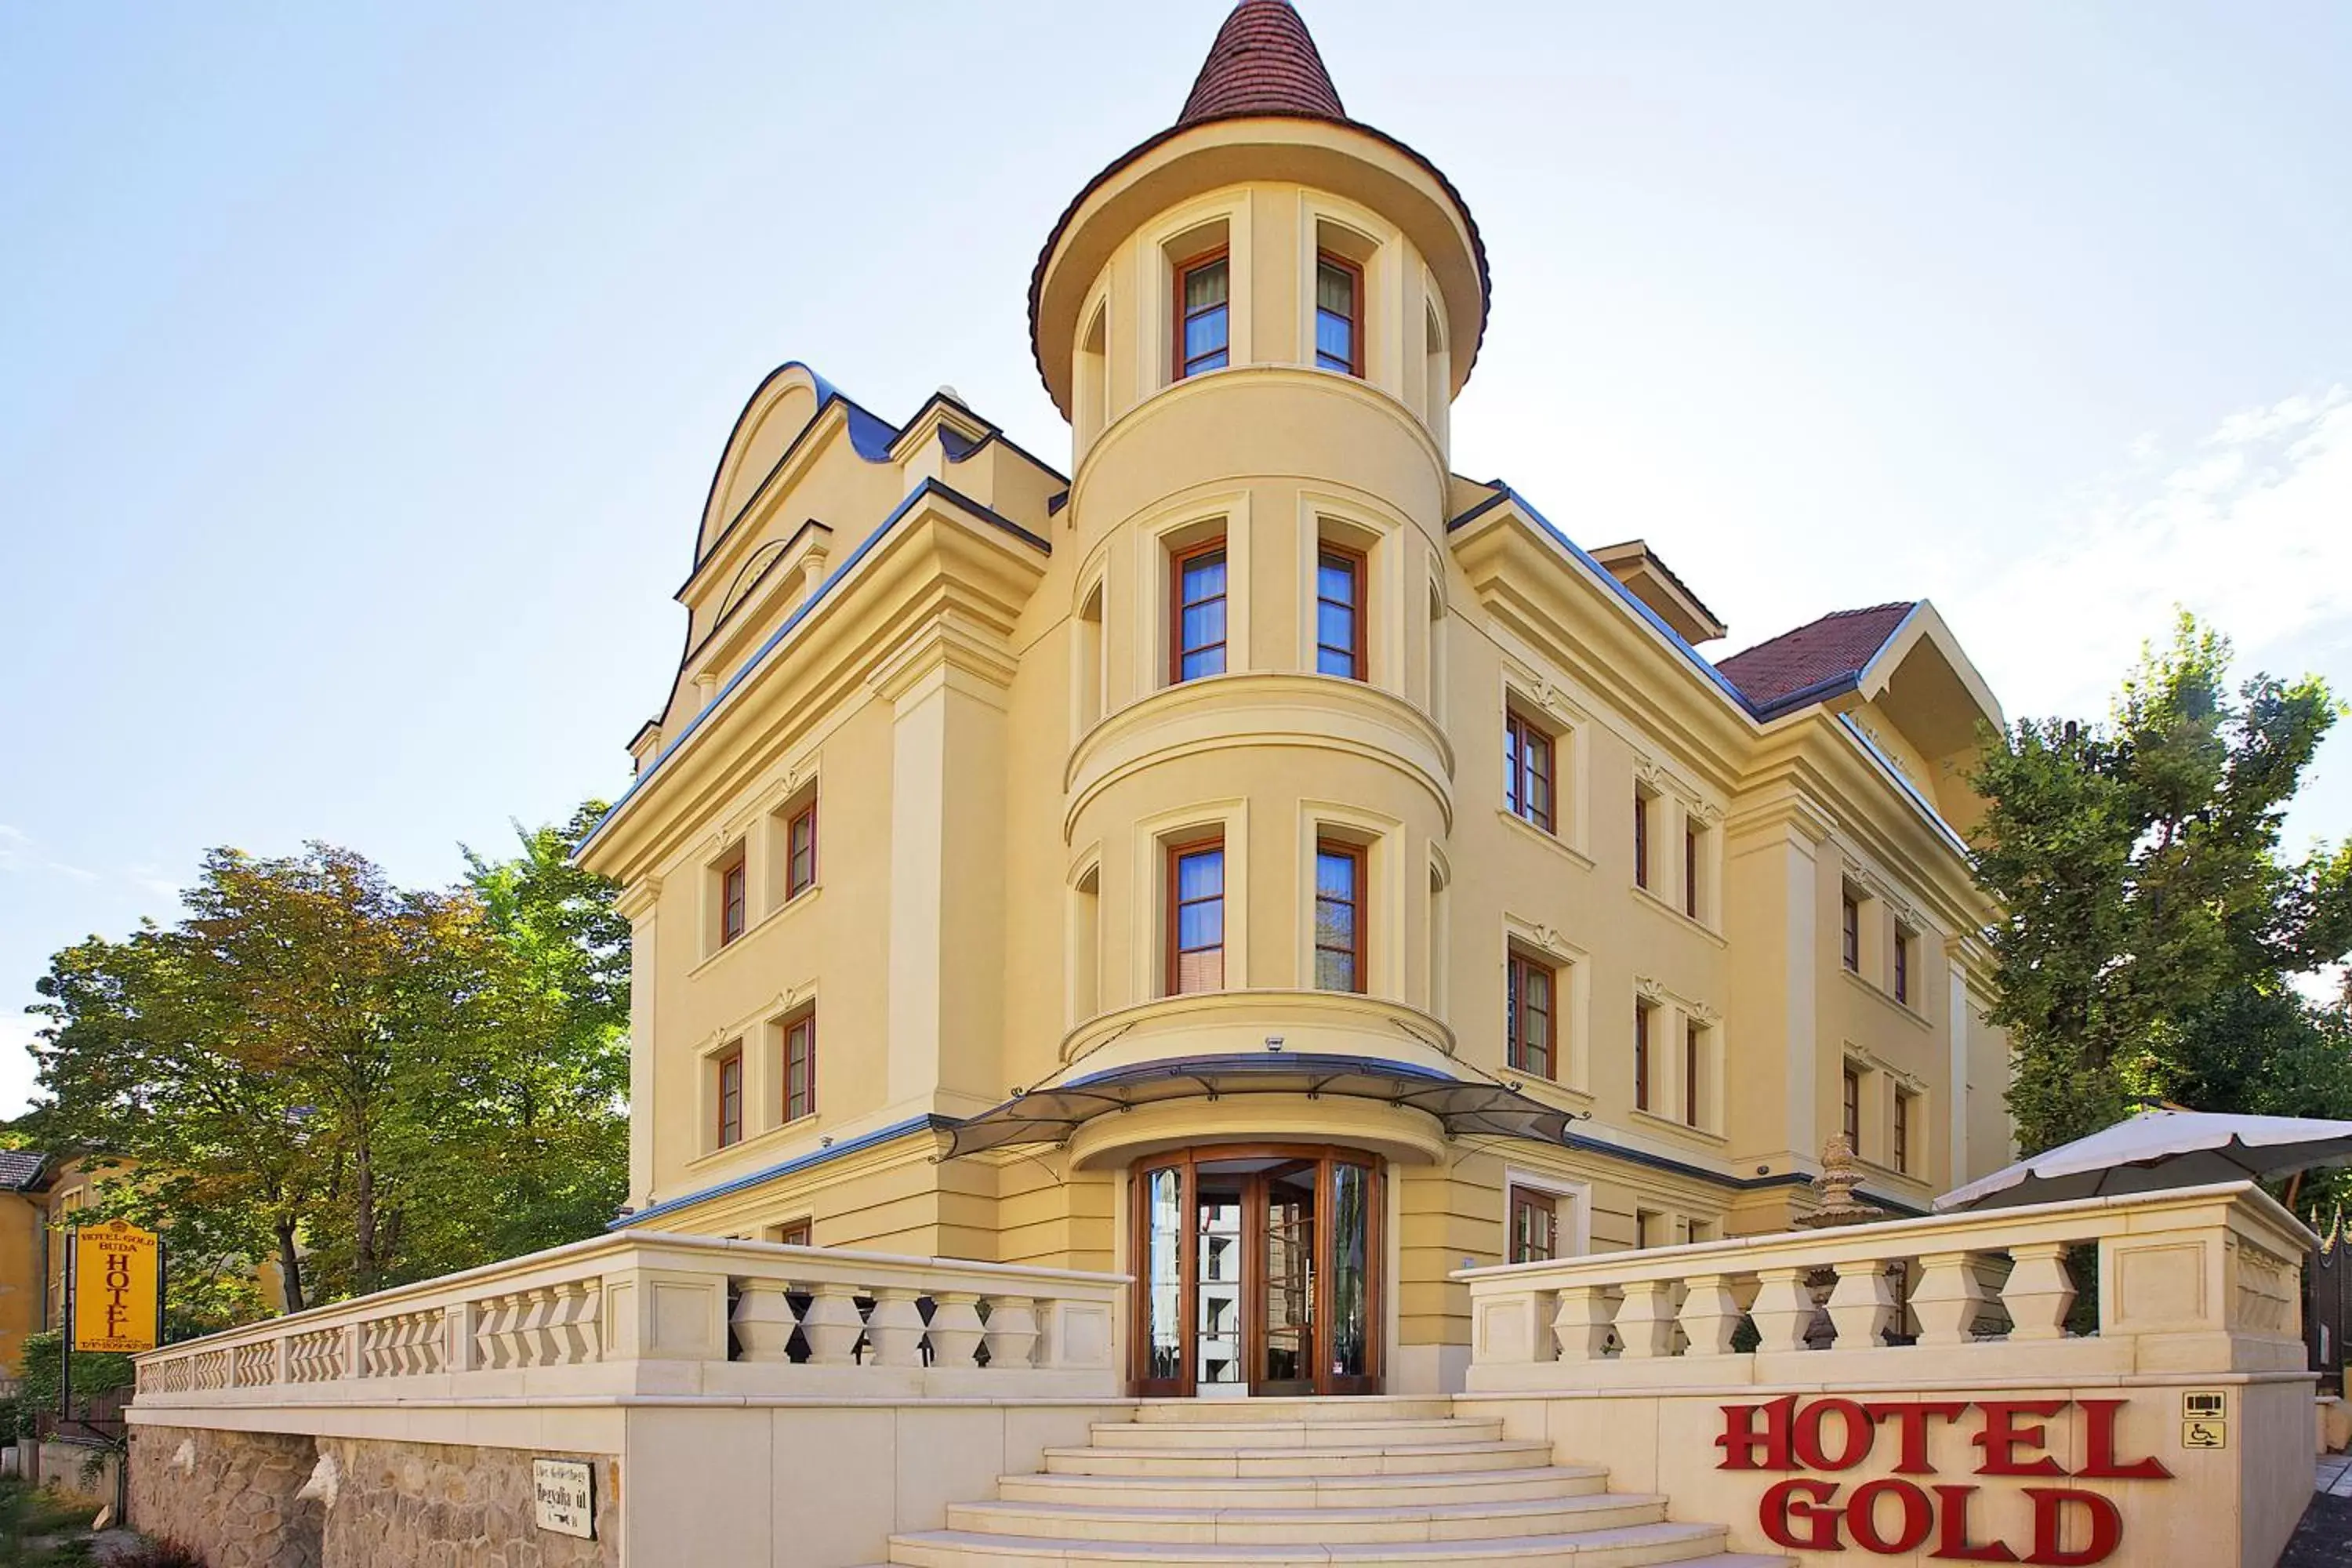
(2205, 1419)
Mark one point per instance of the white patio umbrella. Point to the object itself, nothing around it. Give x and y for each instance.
(2161, 1149)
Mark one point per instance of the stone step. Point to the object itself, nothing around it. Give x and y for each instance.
(1137, 1520)
(1397, 1459)
(1363, 1408)
(1631, 1546)
(1528, 1484)
(1293, 1434)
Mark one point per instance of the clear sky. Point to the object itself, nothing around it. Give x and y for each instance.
(362, 368)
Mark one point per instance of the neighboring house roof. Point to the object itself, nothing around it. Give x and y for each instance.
(1837, 647)
(1264, 62)
(21, 1169)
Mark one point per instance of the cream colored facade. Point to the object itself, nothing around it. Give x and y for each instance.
(959, 658)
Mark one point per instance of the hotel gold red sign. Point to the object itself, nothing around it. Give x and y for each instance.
(116, 1277)
(1893, 1516)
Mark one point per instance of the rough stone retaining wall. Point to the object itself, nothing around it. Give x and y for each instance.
(231, 1495)
(234, 1496)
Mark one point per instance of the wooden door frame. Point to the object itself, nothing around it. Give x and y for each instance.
(1187, 1161)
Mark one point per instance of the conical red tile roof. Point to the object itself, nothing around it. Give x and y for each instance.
(1264, 62)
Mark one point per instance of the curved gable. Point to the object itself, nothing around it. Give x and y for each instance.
(783, 406)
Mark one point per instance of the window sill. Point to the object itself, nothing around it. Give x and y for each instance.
(1674, 911)
(771, 1135)
(798, 900)
(1904, 1010)
(1550, 840)
(1651, 1119)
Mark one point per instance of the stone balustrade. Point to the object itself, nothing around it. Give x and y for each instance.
(672, 1316)
(2202, 1278)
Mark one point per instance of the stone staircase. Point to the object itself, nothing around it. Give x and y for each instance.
(1281, 1481)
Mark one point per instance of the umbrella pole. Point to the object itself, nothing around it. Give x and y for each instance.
(2293, 1185)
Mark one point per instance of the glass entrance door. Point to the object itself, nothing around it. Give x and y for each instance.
(1257, 1272)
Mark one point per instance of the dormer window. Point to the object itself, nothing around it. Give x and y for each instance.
(1203, 322)
(1339, 315)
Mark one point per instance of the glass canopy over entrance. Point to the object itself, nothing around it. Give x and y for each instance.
(1257, 1270)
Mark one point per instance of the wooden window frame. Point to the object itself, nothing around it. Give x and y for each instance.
(1850, 932)
(1358, 566)
(1850, 1106)
(1355, 314)
(795, 883)
(1901, 1143)
(734, 896)
(1694, 1046)
(1174, 909)
(1354, 853)
(1690, 870)
(1902, 958)
(1642, 1011)
(1178, 560)
(1178, 362)
(1518, 967)
(1641, 839)
(729, 1128)
(1534, 1200)
(803, 1024)
(1522, 735)
(796, 1233)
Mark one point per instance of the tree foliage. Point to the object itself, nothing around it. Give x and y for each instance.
(365, 1084)
(2153, 929)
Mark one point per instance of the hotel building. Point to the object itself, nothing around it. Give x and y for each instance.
(1242, 853)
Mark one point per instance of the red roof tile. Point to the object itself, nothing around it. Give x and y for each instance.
(1263, 62)
(1841, 644)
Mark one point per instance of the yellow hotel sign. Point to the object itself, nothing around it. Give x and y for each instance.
(116, 1280)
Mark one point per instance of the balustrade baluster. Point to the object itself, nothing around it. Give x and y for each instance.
(895, 1327)
(1710, 1315)
(1862, 1304)
(2039, 1291)
(1013, 1332)
(1581, 1325)
(763, 1321)
(1645, 1320)
(832, 1325)
(1949, 1300)
(956, 1330)
(1784, 1309)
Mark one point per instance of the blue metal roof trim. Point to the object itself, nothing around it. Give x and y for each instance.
(879, 1136)
(799, 613)
(1504, 493)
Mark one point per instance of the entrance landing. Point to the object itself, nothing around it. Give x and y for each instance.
(1313, 1480)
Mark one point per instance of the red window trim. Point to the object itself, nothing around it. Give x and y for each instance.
(1355, 314)
(1691, 1041)
(1516, 792)
(1177, 561)
(734, 911)
(1184, 270)
(802, 1024)
(794, 883)
(1515, 1052)
(1529, 1200)
(731, 1060)
(1356, 565)
(1356, 954)
(1642, 1056)
(1175, 957)
(1641, 839)
(1690, 871)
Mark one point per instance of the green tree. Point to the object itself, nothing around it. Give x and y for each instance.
(2152, 928)
(368, 1084)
